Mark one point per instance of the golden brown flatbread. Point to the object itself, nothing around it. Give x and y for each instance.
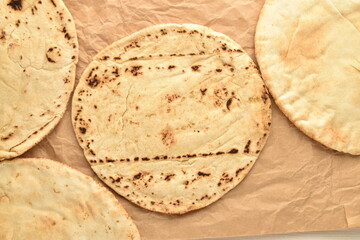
(38, 49)
(309, 56)
(43, 199)
(172, 117)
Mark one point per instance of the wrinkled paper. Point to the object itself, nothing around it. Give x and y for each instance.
(296, 184)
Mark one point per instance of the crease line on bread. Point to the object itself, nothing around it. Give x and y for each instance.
(152, 57)
(179, 158)
(292, 39)
(46, 124)
(345, 17)
(126, 104)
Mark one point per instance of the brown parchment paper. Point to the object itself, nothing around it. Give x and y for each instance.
(296, 184)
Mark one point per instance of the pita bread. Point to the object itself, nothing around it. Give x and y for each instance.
(309, 56)
(38, 49)
(172, 117)
(43, 199)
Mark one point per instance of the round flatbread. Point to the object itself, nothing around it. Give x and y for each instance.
(172, 117)
(43, 199)
(38, 49)
(309, 56)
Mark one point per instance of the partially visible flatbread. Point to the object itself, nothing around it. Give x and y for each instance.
(43, 199)
(172, 117)
(309, 56)
(39, 51)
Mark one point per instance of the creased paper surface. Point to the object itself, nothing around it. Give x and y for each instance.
(296, 185)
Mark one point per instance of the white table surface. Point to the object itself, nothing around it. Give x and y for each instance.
(329, 235)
